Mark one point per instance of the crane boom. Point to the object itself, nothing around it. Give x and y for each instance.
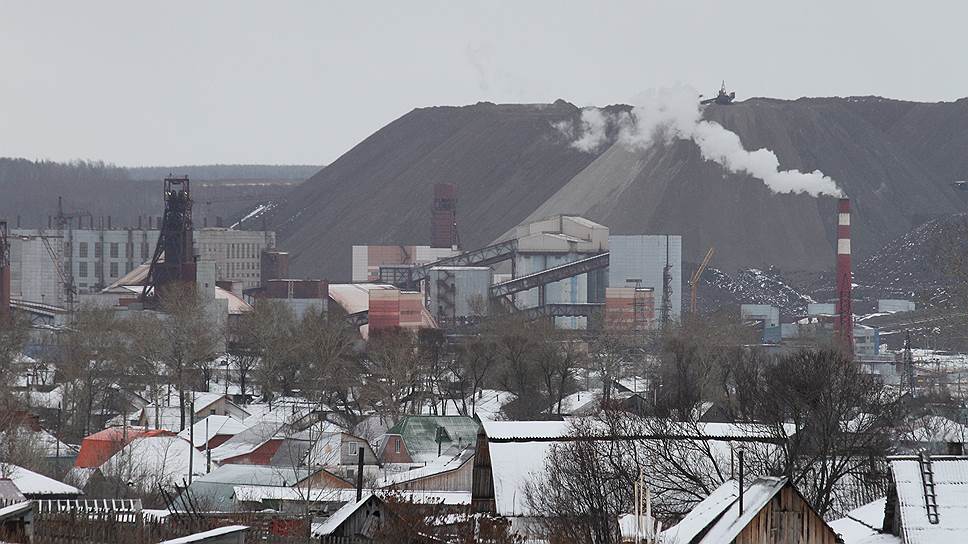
(694, 280)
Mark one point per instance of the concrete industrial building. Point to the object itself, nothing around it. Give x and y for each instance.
(237, 253)
(641, 260)
(99, 257)
(556, 241)
(367, 260)
(459, 293)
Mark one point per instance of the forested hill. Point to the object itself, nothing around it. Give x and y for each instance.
(228, 172)
(30, 189)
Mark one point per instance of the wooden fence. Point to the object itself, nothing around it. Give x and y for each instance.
(78, 528)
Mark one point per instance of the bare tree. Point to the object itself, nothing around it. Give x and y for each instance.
(392, 374)
(90, 361)
(188, 338)
(471, 366)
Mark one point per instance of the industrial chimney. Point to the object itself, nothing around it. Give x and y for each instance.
(443, 221)
(4, 273)
(845, 316)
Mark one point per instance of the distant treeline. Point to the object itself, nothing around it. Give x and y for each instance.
(29, 190)
(216, 172)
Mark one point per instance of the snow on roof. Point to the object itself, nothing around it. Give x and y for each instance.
(490, 403)
(863, 525)
(236, 305)
(15, 509)
(248, 440)
(259, 493)
(508, 430)
(420, 434)
(580, 402)
(514, 465)
(216, 425)
(438, 466)
(333, 522)
(951, 489)
(703, 514)
(354, 297)
(215, 490)
(9, 492)
(197, 537)
(52, 399)
(729, 525)
(30, 483)
(932, 428)
(156, 460)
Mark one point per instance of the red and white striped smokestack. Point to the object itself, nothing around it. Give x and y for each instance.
(845, 316)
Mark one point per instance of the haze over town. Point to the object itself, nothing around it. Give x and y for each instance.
(647, 272)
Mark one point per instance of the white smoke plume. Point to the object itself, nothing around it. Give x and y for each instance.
(674, 113)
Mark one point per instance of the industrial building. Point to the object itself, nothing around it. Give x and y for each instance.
(41, 258)
(556, 241)
(650, 261)
(459, 294)
(237, 253)
(368, 259)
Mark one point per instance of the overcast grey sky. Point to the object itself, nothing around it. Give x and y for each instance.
(138, 83)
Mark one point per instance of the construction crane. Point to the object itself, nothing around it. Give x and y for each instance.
(66, 273)
(694, 280)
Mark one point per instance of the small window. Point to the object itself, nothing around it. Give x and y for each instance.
(97, 249)
(144, 250)
(353, 448)
(396, 445)
(82, 249)
(114, 250)
(114, 270)
(82, 269)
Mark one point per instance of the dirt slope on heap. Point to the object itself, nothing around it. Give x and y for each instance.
(895, 159)
(505, 160)
(670, 189)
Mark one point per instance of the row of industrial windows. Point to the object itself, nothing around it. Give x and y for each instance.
(113, 268)
(113, 250)
(244, 251)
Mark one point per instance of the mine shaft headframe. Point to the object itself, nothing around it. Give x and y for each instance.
(177, 186)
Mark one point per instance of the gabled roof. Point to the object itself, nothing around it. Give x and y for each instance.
(950, 475)
(717, 518)
(332, 523)
(439, 466)
(863, 524)
(100, 446)
(9, 492)
(216, 425)
(704, 514)
(420, 434)
(728, 525)
(248, 440)
(155, 460)
(32, 484)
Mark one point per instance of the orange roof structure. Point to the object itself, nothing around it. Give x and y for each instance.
(100, 446)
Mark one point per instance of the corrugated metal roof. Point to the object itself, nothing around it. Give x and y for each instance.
(520, 430)
(704, 513)
(420, 434)
(729, 525)
(951, 489)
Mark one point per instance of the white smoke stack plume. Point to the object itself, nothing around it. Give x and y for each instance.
(673, 113)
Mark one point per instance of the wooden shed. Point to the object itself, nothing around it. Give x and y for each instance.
(771, 511)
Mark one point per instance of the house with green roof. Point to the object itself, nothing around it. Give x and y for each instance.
(422, 439)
